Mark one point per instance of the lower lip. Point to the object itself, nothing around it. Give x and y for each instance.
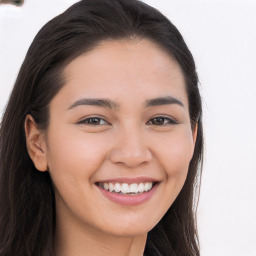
(129, 200)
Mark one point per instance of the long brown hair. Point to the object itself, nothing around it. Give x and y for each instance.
(27, 202)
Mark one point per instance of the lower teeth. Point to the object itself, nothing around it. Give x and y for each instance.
(131, 194)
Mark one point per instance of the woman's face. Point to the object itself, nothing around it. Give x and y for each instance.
(119, 125)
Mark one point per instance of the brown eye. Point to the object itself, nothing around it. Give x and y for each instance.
(158, 121)
(161, 121)
(93, 121)
(15, 2)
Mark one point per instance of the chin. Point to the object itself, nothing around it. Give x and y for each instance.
(130, 228)
(129, 233)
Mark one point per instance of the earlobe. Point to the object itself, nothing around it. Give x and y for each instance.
(36, 146)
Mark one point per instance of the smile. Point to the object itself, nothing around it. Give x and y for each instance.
(127, 189)
(129, 192)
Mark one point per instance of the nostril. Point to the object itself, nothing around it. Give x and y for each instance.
(131, 155)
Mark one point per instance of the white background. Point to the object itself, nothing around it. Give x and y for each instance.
(222, 37)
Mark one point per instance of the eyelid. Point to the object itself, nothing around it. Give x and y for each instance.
(83, 121)
(171, 120)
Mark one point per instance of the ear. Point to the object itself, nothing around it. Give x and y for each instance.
(36, 145)
(195, 133)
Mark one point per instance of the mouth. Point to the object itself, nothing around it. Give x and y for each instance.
(127, 189)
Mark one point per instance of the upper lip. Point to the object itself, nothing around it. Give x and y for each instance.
(129, 180)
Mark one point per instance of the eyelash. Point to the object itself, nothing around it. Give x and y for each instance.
(88, 121)
(96, 121)
(170, 121)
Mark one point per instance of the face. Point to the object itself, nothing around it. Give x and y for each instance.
(119, 140)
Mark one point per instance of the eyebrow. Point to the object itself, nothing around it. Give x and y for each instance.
(107, 103)
(163, 101)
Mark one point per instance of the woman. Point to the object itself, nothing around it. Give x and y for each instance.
(102, 138)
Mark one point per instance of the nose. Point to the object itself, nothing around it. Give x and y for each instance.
(130, 149)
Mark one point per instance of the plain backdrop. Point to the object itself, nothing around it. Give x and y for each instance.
(222, 37)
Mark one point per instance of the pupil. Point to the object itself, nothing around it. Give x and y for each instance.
(17, 1)
(94, 120)
(158, 120)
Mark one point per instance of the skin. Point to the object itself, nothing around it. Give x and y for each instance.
(126, 142)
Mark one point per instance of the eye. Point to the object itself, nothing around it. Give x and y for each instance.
(160, 120)
(93, 121)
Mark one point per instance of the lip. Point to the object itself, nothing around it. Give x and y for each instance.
(129, 200)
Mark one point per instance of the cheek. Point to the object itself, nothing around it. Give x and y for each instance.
(73, 158)
(174, 154)
(75, 155)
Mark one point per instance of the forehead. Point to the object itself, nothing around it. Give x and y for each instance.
(126, 69)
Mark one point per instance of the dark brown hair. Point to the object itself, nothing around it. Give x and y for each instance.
(27, 202)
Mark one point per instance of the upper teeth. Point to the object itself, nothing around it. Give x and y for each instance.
(125, 188)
